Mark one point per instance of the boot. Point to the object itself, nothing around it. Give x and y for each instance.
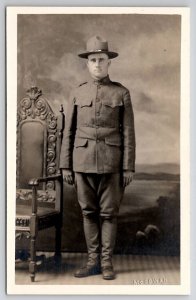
(91, 268)
(108, 237)
(108, 272)
(92, 235)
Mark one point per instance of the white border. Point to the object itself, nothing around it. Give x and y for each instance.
(184, 287)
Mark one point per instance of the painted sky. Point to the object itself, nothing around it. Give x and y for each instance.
(148, 65)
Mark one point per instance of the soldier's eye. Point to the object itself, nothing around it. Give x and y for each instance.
(94, 60)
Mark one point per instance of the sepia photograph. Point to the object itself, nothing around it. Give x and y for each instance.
(98, 150)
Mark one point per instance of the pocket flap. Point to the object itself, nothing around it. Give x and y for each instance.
(79, 142)
(112, 102)
(83, 102)
(113, 141)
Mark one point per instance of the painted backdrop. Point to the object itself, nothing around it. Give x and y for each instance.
(149, 66)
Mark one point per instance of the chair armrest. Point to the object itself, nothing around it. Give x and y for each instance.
(36, 181)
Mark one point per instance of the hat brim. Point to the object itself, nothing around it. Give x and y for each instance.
(109, 53)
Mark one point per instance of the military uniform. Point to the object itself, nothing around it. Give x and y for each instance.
(99, 129)
(98, 145)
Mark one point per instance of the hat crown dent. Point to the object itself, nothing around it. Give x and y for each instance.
(97, 43)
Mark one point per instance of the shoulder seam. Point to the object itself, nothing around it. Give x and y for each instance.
(82, 83)
(120, 85)
(117, 83)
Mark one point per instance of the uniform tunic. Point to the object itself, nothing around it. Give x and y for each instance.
(99, 134)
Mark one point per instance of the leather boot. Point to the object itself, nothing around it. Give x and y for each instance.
(108, 237)
(92, 235)
(91, 268)
(108, 272)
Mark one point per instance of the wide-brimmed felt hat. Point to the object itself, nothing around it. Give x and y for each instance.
(97, 44)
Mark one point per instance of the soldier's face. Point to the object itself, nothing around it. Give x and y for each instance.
(98, 65)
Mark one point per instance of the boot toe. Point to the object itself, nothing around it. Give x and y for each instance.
(108, 273)
(81, 272)
(88, 271)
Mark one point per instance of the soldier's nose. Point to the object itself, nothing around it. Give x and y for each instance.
(98, 62)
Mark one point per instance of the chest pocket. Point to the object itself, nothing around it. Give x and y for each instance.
(111, 111)
(112, 102)
(83, 102)
(84, 111)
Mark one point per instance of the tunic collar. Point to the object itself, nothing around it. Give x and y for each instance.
(104, 80)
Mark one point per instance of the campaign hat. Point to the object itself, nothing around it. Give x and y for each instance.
(97, 44)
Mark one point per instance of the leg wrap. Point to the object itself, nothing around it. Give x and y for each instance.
(108, 237)
(92, 236)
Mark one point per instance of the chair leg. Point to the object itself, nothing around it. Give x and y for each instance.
(57, 256)
(33, 233)
(32, 264)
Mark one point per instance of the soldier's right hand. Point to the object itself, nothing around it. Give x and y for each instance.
(68, 176)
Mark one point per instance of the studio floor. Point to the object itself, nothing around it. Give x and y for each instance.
(129, 269)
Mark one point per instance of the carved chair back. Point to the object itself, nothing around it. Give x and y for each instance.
(39, 134)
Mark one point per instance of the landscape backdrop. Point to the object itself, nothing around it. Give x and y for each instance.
(149, 66)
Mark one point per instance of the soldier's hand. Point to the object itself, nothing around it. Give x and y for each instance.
(68, 176)
(127, 178)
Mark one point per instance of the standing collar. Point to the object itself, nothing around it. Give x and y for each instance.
(104, 80)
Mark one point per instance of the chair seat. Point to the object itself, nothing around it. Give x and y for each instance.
(25, 211)
(46, 217)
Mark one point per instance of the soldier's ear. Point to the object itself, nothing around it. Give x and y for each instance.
(109, 62)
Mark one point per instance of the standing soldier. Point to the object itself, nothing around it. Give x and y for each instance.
(98, 154)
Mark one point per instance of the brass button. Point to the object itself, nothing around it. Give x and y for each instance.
(98, 113)
(98, 141)
(97, 99)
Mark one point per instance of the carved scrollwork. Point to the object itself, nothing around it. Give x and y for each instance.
(23, 195)
(20, 235)
(50, 155)
(51, 138)
(34, 106)
(41, 108)
(42, 196)
(26, 104)
(50, 186)
(51, 170)
(25, 109)
(34, 93)
(52, 122)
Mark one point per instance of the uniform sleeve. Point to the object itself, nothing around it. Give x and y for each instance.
(68, 136)
(128, 131)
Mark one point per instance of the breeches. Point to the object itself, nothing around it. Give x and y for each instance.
(99, 194)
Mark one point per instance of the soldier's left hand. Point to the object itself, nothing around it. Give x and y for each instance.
(68, 176)
(127, 178)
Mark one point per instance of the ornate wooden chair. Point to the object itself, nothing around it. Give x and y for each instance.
(39, 182)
